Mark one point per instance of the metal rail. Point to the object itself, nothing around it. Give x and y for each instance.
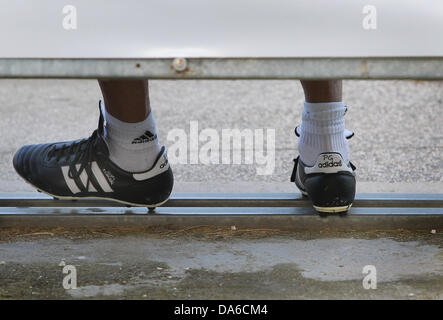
(291, 219)
(260, 200)
(285, 211)
(419, 68)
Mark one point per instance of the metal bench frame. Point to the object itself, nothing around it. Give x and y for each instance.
(419, 68)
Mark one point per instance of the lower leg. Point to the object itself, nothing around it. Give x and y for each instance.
(322, 128)
(130, 130)
(322, 90)
(126, 100)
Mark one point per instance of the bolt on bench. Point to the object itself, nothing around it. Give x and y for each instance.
(223, 40)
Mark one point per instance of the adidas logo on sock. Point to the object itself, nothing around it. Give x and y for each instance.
(148, 136)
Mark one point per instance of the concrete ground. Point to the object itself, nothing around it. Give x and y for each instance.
(397, 148)
(217, 263)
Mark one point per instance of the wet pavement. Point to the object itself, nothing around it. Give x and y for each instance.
(220, 263)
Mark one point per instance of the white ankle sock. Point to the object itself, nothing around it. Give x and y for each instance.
(132, 146)
(322, 130)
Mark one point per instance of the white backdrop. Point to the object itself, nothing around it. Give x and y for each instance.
(220, 28)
